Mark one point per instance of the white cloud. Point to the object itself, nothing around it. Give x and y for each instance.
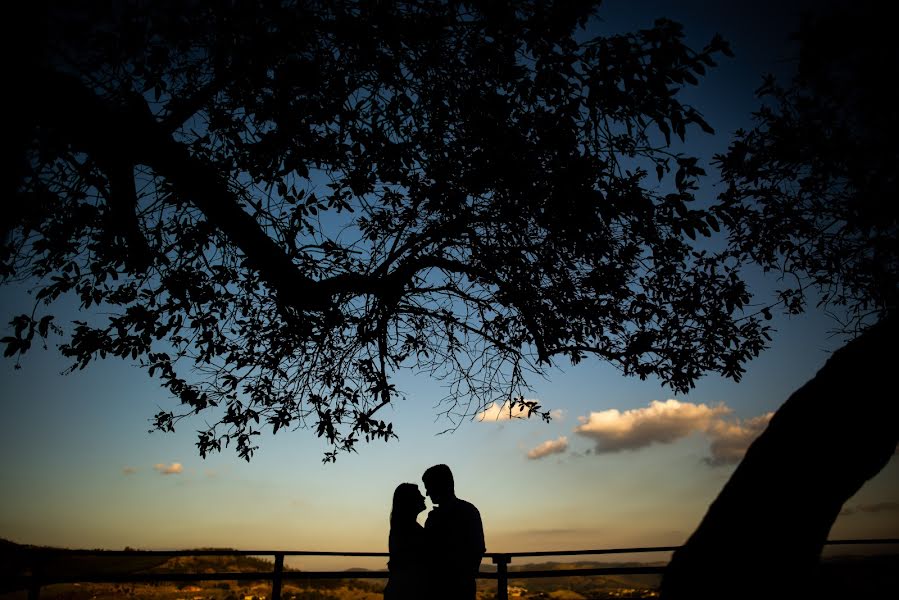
(548, 447)
(659, 423)
(129, 470)
(495, 412)
(172, 469)
(669, 421)
(730, 439)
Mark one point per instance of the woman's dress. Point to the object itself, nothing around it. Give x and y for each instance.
(407, 562)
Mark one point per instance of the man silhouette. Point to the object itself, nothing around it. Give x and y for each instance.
(455, 535)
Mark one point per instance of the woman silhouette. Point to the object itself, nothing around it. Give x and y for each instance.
(406, 545)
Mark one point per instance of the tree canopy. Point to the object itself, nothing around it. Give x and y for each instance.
(275, 206)
(811, 187)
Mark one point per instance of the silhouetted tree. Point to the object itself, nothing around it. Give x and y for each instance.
(277, 205)
(810, 188)
(811, 193)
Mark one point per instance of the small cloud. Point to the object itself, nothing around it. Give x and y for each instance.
(557, 414)
(172, 469)
(129, 470)
(550, 532)
(730, 439)
(495, 412)
(548, 447)
(876, 507)
(659, 423)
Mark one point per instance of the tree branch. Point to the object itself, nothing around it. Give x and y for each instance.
(88, 122)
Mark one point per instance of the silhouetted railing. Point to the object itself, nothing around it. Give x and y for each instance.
(38, 557)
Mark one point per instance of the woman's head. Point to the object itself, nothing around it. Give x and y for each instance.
(407, 502)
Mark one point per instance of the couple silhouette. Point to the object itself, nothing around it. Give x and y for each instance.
(441, 559)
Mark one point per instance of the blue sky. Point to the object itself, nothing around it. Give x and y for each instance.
(80, 469)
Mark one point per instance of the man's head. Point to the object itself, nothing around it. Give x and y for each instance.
(439, 484)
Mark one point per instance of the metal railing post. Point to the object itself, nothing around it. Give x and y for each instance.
(502, 576)
(276, 577)
(34, 590)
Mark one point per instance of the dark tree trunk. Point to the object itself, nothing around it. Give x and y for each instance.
(762, 537)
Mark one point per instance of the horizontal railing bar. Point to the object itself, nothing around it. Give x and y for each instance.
(216, 552)
(148, 577)
(223, 552)
(24, 580)
(335, 575)
(576, 552)
(865, 542)
(665, 549)
(586, 572)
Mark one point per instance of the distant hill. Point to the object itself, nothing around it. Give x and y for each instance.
(214, 564)
(14, 561)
